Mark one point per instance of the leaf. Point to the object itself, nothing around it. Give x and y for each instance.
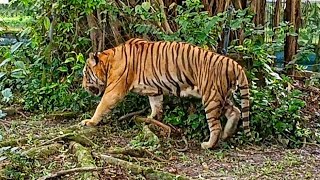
(2, 114)
(80, 58)
(145, 6)
(46, 23)
(20, 64)
(69, 59)
(63, 69)
(15, 47)
(7, 94)
(5, 61)
(2, 74)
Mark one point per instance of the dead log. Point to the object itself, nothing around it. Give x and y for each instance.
(149, 173)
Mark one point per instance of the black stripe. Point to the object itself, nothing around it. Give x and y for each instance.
(243, 87)
(189, 82)
(227, 74)
(245, 95)
(177, 66)
(245, 109)
(245, 119)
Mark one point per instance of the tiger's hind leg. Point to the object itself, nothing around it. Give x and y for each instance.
(213, 112)
(156, 106)
(232, 113)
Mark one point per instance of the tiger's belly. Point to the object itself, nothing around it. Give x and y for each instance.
(152, 91)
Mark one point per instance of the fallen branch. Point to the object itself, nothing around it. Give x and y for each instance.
(155, 122)
(79, 137)
(84, 158)
(44, 151)
(57, 138)
(69, 171)
(149, 173)
(127, 116)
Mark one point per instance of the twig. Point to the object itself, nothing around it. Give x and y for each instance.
(154, 156)
(4, 126)
(57, 138)
(186, 143)
(132, 114)
(22, 114)
(68, 171)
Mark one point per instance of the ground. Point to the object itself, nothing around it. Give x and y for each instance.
(241, 162)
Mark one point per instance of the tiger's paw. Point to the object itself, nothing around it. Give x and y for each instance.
(206, 145)
(88, 122)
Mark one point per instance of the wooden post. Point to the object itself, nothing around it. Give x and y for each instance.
(293, 16)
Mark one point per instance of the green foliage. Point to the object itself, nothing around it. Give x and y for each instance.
(275, 112)
(188, 114)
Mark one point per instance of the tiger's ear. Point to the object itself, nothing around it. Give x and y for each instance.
(108, 55)
(93, 59)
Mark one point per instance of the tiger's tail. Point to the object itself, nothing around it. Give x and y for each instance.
(245, 104)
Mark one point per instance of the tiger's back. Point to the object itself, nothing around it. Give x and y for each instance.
(157, 68)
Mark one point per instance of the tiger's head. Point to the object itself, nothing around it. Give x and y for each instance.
(95, 73)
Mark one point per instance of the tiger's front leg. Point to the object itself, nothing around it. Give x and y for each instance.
(111, 97)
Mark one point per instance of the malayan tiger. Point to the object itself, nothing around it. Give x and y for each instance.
(178, 68)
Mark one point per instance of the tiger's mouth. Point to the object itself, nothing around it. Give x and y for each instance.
(95, 91)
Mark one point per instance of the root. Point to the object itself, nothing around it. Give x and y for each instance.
(62, 115)
(186, 145)
(135, 152)
(84, 158)
(68, 135)
(149, 173)
(155, 122)
(44, 151)
(69, 171)
(127, 116)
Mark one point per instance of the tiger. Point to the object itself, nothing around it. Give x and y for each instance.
(157, 68)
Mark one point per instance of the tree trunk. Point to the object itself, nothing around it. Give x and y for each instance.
(259, 8)
(95, 33)
(277, 14)
(293, 16)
